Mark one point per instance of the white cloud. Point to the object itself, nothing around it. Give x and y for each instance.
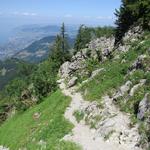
(28, 14)
(104, 17)
(24, 13)
(68, 16)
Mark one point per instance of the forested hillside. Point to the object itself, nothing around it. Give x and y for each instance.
(39, 50)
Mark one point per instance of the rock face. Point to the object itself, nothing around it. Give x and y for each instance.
(144, 108)
(72, 82)
(102, 45)
(76, 63)
(64, 69)
(133, 34)
(138, 64)
(99, 49)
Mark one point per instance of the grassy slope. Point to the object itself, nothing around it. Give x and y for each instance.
(24, 131)
(114, 74)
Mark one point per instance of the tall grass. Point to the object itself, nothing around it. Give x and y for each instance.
(24, 131)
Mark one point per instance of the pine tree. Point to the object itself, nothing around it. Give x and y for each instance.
(63, 36)
(57, 52)
(83, 37)
(130, 13)
(65, 45)
(60, 51)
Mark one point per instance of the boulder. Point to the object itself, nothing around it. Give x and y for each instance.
(72, 82)
(65, 70)
(123, 89)
(144, 107)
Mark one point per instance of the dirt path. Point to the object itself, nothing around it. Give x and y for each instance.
(86, 137)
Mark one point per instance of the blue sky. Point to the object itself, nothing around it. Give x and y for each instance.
(55, 11)
(14, 13)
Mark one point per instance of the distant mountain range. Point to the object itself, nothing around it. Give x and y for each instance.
(30, 44)
(24, 36)
(39, 50)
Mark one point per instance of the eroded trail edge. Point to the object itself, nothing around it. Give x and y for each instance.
(111, 132)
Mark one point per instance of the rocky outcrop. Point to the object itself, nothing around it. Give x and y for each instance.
(133, 34)
(144, 108)
(108, 122)
(6, 111)
(102, 46)
(138, 64)
(99, 49)
(65, 70)
(76, 63)
(122, 90)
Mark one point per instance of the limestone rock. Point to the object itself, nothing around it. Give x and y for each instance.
(133, 34)
(138, 64)
(144, 107)
(72, 82)
(123, 89)
(101, 46)
(64, 70)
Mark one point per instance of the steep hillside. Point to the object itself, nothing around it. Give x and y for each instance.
(41, 127)
(23, 36)
(109, 88)
(97, 98)
(114, 81)
(39, 50)
(9, 69)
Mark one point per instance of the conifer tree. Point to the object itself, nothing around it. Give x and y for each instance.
(83, 38)
(129, 13)
(64, 43)
(60, 51)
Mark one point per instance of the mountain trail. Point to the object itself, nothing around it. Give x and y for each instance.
(88, 138)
